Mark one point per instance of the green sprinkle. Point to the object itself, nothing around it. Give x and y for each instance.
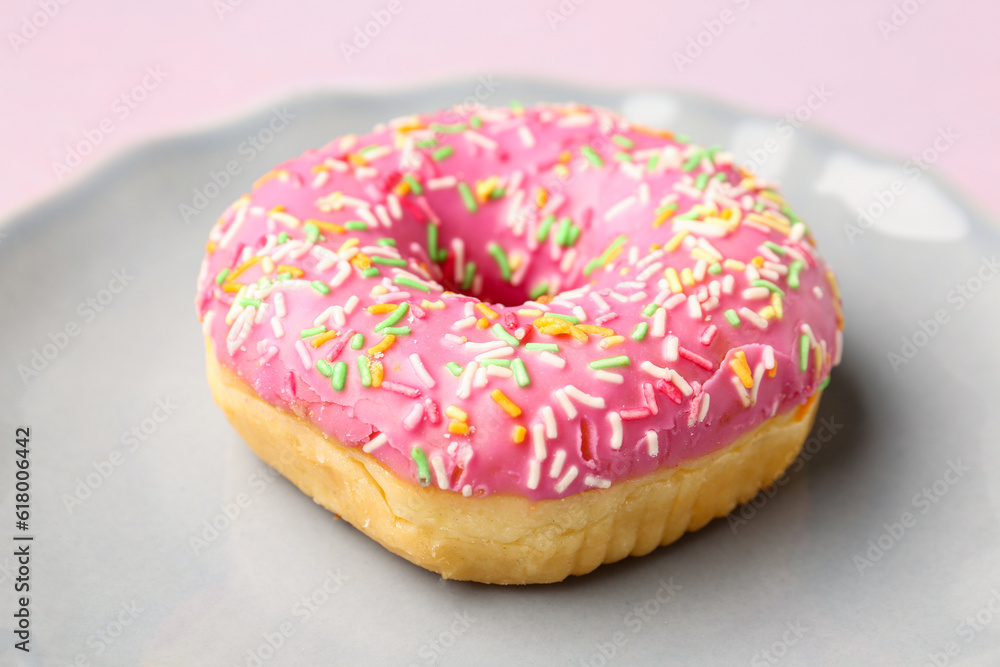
(320, 287)
(423, 473)
(623, 157)
(649, 309)
(574, 235)
(733, 317)
(397, 331)
(323, 366)
(394, 317)
(415, 186)
(541, 347)
(609, 362)
(312, 232)
(774, 247)
(501, 258)
(470, 273)
(388, 261)
(387, 242)
(759, 207)
(455, 369)
(494, 362)
(283, 276)
(592, 156)
(442, 255)
(654, 160)
(263, 283)
(521, 373)
(825, 383)
(368, 149)
(623, 141)
(366, 373)
(432, 241)
(448, 129)
(467, 198)
(339, 375)
(246, 302)
(410, 282)
(693, 161)
(543, 229)
(593, 264)
(516, 106)
(476, 122)
(701, 181)
(562, 233)
(640, 331)
(793, 273)
(538, 290)
(804, 352)
(370, 272)
(426, 143)
(356, 225)
(497, 193)
(760, 282)
(357, 341)
(682, 138)
(442, 153)
(221, 278)
(283, 237)
(505, 335)
(560, 316)
(715, 269)
(313, 331)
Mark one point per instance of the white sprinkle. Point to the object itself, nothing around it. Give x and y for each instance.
(670, 347)
(413, 417)
(439, 472)
(680, 383)
(538, 441)
(279, 305)
(566, 480)
(580, 313)
(480, 140)
(421, 370)
(674, 301)
(395, 210)
(465, 388)
(607, 376)
(644, 193)
(753, 318)
(838, 349)
(584, 398)
(557, 463)
(756, 293)
(483, 346)
(649, 272)
(482, 378)
(616, 430)
(375, 443)
(807, 330)
(652, 443)
(728, 283)
(351, 304)
(742, 391)
(498, 353)
(365, 213)
(279, 331)
(703, 406)
(238, 219)
(758, 373)
(323, 317)
(768, 357)
(300, 347)
(694, 307)
(342, 274)
(499, 371)
(699, 270)
(597, 482)
(465, 323)
(467, 490)
(534, 473)
(549, 418)
(659, 329)
(601, 303)
(797, 232)
(654, 370)
(527, 138)
(442, 182)
(565, 403)
(551, 359)
(619, 207)
(817, 292)
(338, 316)
(458, 252)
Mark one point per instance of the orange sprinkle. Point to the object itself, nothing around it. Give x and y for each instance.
(380, 308)
(803, 409)
(675, 242)
(483, 323)
(457, 413)
(565, 156)
(327, 226)
(402, 188)
(357, 160)
(377, 371)
(381, 346)
(361, 260)
(295, 271)
(508, 405)
(518, 434)
(663, 216)
(322, 338)
(486, 310)
(232, 287)
(241, 268)
(541, 196)
(458, 428)
(757, 261)
(594, 329)
(210, 247)
(774, 371)
(778, 305)
(742, 369)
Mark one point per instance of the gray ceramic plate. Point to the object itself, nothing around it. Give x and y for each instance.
(159, 538)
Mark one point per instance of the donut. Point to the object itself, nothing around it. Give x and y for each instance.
(512, 344)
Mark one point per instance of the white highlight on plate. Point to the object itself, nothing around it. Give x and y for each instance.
(891, 200)
(653, 109)
(762, 148)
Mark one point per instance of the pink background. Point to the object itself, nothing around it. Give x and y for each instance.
(891, 92)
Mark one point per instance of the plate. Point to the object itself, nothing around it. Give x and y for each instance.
(159, 538)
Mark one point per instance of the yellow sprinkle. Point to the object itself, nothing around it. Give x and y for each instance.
(322, 338)
(485, 188)
(518, 434)
(565, 156)
(378, 290)
(675, 241)
(348, 244)
(774, 371)
(267, 265)
(773, 196)
(402, 188)
(701, 253)
(295, 271)
(514, 260)
(767, 312)
(529, 312)
(241, 268)
(381, 346)
(210, 247)
(594, 329)
(379, 308)
(687, 277)
(734, 265)
(742, 369)
(458, 413)
(832, 279)
(508, 405)
(458, 428)
(483, 323)
(778, 305)
(541, 196)
(611, 341)
(675, 283)
(232, 287)
(377, 371)
(561, 171)
(769, 221)
(663, 216)
(432, 305)
(486, 310)
(614, 255)
(357, 159)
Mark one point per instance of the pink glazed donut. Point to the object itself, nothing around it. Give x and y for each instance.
(511, 344)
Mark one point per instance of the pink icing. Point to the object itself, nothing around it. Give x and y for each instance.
(685, 334)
